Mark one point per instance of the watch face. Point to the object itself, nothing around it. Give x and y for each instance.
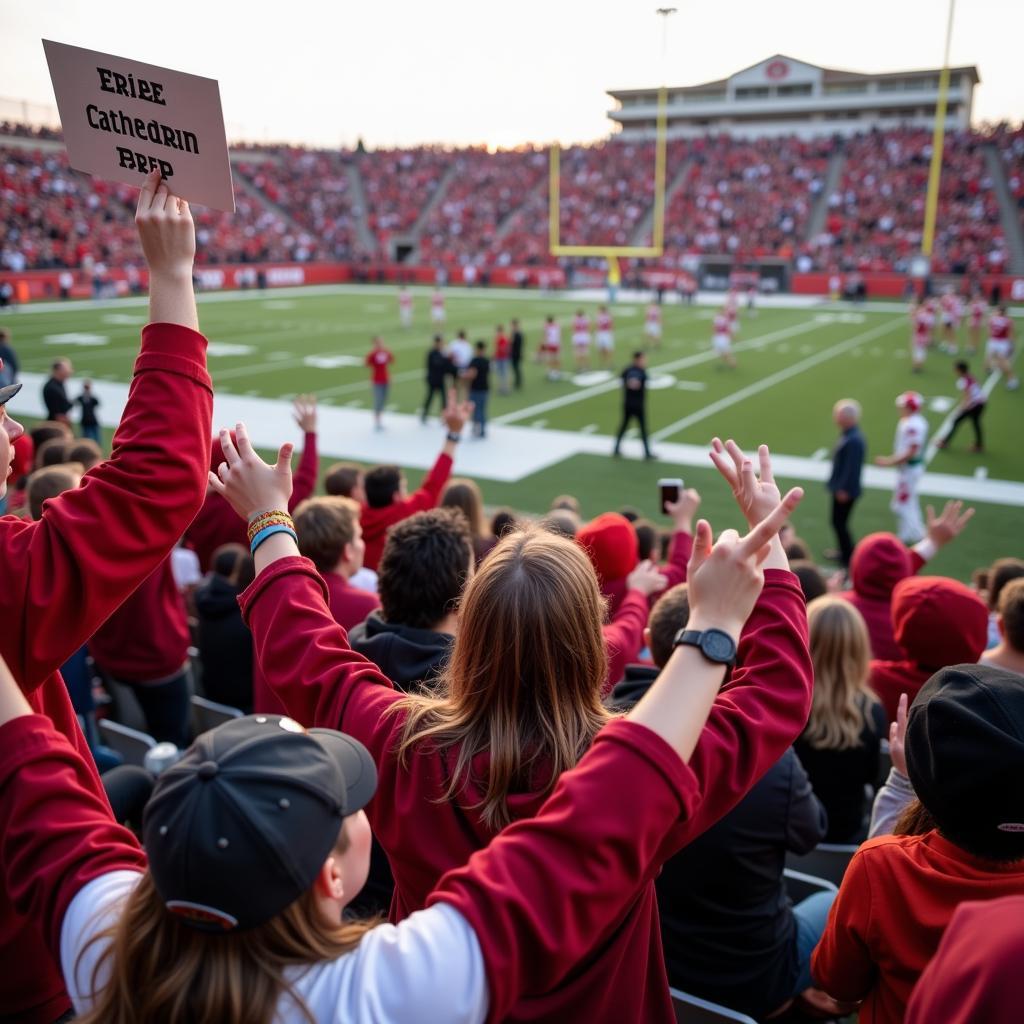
(717, 645)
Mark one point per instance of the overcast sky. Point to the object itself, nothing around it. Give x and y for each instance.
(475, 71)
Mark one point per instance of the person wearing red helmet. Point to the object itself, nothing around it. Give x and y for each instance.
(908, 459)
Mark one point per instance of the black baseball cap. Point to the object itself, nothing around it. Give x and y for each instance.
(965, 753)
(8, 392)
(239, 828)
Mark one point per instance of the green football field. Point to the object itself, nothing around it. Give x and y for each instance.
(793, 364)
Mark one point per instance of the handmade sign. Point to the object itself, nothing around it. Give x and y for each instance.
(122, 118)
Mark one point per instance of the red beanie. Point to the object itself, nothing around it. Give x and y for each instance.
(610, 542)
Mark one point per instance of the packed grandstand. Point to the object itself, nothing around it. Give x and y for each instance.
(828, 204)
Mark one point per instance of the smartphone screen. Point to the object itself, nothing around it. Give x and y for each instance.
(670, 488)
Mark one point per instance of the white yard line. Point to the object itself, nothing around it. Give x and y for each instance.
(677, 364)
(772, 379)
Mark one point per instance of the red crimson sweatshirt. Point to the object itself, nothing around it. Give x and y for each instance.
(897, 896)
(533, 926)
(65, 574)
(975, 973)
(147, 638)
(879, 562)
(756, 716)
(377, 521)
(218, 523)
(937, 622)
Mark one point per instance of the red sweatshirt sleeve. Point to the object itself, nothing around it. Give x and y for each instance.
(678, 558)
(305, 657)
(917, 563)
(64, 574)
(624, 636)
(429, 493)
(842, 963)
(540, 895)
(762, 708)
(56, 832)
(304, 481)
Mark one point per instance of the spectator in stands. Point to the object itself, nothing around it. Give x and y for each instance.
(965, 738)
(844, 481)
(881, 560)
(387, 500)
(89, 875)
(936, 622)
(1009, 653)
(48, 429)
(331, 538)
(8, 360)
(88, 403)
(48, 483)
(217, 524)
(528, 655)
(55, 394)
(1002, 571)
(23, 454)
(65, 574)
(812, 582)
(975, 973)
(427, 560)
(53, 452)
(439, 369)
(504, 521)
(839, 748)
(86, 452)
(464, 495)
(224, 640)
(345, 480)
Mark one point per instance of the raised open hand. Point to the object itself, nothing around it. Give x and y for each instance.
(248, 484)
(898, 736)
(757, 495)
(456, 414)
(949, 524)
(304, 410)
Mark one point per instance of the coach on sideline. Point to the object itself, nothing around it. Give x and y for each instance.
(844, 483)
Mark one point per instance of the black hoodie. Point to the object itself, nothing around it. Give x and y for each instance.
(409, 657)
(225, 644)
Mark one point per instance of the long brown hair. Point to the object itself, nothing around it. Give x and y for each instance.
(523, 684)
(466, 497)
(162, 971)
(841, 654)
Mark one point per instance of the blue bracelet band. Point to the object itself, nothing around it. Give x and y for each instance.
(269, 531)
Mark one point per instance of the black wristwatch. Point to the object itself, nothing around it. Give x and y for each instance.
(715, 644)
(453, 437)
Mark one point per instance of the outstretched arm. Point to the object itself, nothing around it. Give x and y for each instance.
(65, 574)
(305, 476)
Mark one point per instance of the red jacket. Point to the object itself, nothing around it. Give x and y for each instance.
(534, 925)
(147, 638)
(975, 974)
(218, 523)
(756, 716)
(377, 521)
(937, 622)
(349, 605)
(879, 562)
(896, 899)
(68, 572)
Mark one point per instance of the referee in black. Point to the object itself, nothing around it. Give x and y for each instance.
(439, 366)
(634, 401)
(516, 352)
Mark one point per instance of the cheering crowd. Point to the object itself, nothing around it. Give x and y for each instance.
(567, 759)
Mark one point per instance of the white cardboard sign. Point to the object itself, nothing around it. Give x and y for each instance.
(122, 118)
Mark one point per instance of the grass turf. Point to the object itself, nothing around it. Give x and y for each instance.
(793, 364)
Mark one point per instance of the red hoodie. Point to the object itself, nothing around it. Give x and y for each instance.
(756, 716)
(879, 562)
(65, 574)
(218, 523)
(975, 973)
(147, 638)
(937, 622)
(377, 521)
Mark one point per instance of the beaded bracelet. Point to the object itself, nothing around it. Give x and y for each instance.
(269, 531)
(273, 517)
